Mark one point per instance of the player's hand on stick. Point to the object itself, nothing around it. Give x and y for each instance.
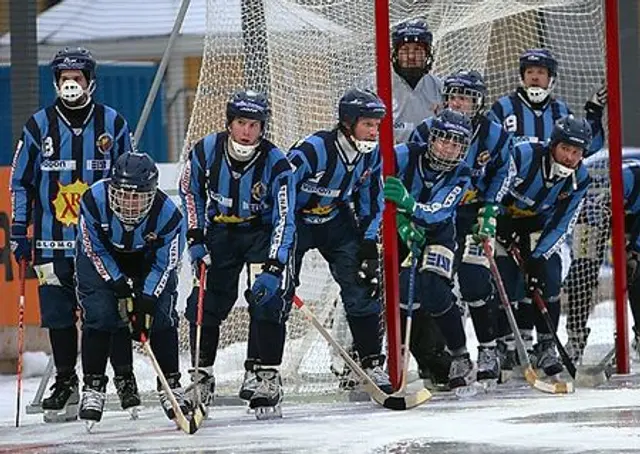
(140, 311)
(411, 235)
(20, 243)
(198, 250)
(485, 229)
(267, 283)
(369, 273)
(535, 268)
(395, 192)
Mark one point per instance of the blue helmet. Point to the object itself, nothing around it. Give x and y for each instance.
(248, 104)
(132, 187)
(412, 31)
(572, 131)
(539, 57)
(357, 103)
(74, 59)
(468, 83)
(450, 127)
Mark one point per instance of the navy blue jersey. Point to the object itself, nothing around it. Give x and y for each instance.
(517, 116)
(437, 194)
(489, 158)
(157, 242)
(631, 181)
(218, 192)
(330, 175)
(53, 166)
(556, 202)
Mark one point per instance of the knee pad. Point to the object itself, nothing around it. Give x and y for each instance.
(473, 253)
(437, 295)
(475, 282)
(47, 274)
(439, 260)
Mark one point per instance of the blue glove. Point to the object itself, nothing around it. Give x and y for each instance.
(266, 284)
(20, 244)
(197, 249)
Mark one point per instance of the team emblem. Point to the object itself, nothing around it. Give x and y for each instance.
(67, 202)
(105, 142)
(47, 147)
(483, 158)
(258, 191)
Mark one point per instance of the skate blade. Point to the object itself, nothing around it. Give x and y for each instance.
(471, 390)
(89, 425)
(66, 414)
(134, 412)
(267, 413)
(488, 384)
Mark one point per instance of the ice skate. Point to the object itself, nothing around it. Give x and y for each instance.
(545, 357)
(206, 383)
(635, 343)
(508, 357)
(127, 389)
(462, 376)
(62, 404)
(576, 344)
(178, 392)
(434, 370)
(488, 367)
(93, 398)
(268, 395)
(249, 385)
(372, 365)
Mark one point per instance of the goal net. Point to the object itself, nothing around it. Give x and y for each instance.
(305, 53)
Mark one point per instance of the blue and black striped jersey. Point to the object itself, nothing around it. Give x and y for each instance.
(330, 175)
(217, 191)
(555, 201)
(53, 166)
(159, 239)
(437, 194)
(489, 158)
(517, 116)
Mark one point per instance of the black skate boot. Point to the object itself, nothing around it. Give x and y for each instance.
(268, 395)
(178, 392)
(434, 370)
(93, 398)
(249, 385)
(372, 365)
(488, 367)
(206, 384)
(128, 393)
(462, 375)
(545, 357)
(62, 403)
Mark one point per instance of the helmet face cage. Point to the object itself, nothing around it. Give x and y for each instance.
(539, 57)
(129, 205)
(413, 31)
(476, 97)
(447, 148)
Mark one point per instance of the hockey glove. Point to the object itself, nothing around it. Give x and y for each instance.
(485, 229)
(595, 106)
(535, 268)
(198, 250)
(140, 312)
(395, 192)
(20, 244)
(267, 283)
(369, 267)
(410, 234)
(505, 233)
(123, 291)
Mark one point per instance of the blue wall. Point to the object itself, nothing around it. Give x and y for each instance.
(123, 87)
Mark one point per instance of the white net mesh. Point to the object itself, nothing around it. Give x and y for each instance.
(304, 54)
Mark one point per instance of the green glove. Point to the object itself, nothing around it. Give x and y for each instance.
(395, 192)
(410, 234)
(487, 222)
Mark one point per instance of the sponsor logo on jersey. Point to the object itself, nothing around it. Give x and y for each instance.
(67, 202)
(524, 199)
(54, 244)
(324, 192)
(258, 191)
(221, 200)
(233, 219)
(58, 166)
(98, 164)
(483, 158)
(254, 207)
(104, 142)
(47, 147)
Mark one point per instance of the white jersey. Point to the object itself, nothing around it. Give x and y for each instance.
(411, 106)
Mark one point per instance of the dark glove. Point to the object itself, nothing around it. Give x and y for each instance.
(266, 284)
(198, 249)
(20, 244)
(535, 268)
(505, 232)
(633, 259)
(140, 310)
(369, 267)
(595, 105)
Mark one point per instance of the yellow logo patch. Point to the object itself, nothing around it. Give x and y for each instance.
(222, 219)
(516, 212)
(320, 210)
(67, 202)
(470, 196)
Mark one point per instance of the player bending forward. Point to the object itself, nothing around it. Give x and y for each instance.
(238, 194)
(542, 207)
(333, 170)
(432, 179)
(130, 241)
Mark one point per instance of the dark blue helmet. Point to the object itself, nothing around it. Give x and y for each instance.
(573, 131)
(248, 104)
(357, 103)
(539, 57)
(467, 83)
(411, 31)
(74, 59)
(132, 188)
(451, 128)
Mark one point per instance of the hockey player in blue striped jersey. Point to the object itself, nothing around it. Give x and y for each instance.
(130, 240)
(333, 170)
(238, 194)
(431, 181)
(492, 169)
(531, 111)
(542, 208)
(64, 148)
